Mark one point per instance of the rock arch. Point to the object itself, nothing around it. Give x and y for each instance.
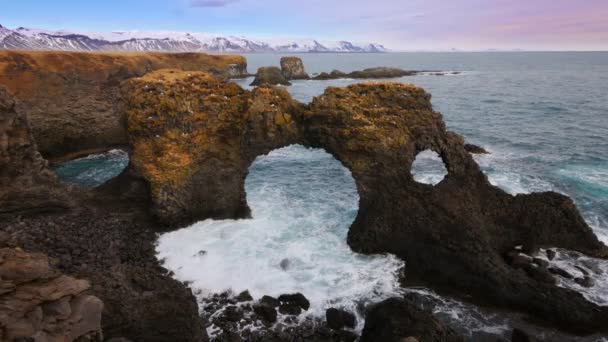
(193, 138)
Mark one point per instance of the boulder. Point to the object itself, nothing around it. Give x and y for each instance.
(292, 68)
(269, 76)
(39, 302)
(338, 319)
(297, 299)
(474, 149)
(396, 319)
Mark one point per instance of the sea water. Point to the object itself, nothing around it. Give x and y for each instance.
(543, 117)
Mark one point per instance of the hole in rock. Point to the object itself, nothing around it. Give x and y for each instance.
(303, 202)
(93, 170)
(428, 168)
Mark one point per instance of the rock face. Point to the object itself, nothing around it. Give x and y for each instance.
(179, 153)
(292, 68)
(26, 184)
(378, 72)
(37, 301)
(105, 237)
(395, 320)
(193, 139)
(270, 76)
(70, 98)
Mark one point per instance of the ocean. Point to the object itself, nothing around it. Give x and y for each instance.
(542, 116)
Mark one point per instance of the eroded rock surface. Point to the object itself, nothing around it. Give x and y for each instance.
(292, 68)
(270, 76)
(194, 137)
(26, 184)
(105, 237)
(70, 98)
(395, 320)
(38, 302)
(192, 131)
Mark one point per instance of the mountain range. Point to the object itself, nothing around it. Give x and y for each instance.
(167, 41)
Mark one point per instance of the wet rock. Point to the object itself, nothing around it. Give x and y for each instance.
(270, 76)
(345, 336)
(585, 281)
(560, 272)
(266, 312)
(338, 319)
(594, 266)
(474, 149)
(201, 253)
(244, 296)
(541, 274)
(297, 299)
(232, 313)
(378, 72)
(541, 262)
(396, 319)
(292, 68)
(335, 74)
(550, 254)
(270, 301)
(519, 335)
(290, 309)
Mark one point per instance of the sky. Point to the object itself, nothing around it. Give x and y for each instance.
(398, 24)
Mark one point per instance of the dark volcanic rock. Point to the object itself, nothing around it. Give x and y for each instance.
(379, 72)
(194, 153)
(560, 272)
(338, 319)
(519, 335)
(266, 312)
(269, 76)
(295, 299)
(396, 319)
(292, 68)
(474, 149)
(270, 301)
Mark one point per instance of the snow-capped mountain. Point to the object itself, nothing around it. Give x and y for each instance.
(167, 41)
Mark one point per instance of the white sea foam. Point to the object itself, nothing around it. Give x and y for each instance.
(303, 202)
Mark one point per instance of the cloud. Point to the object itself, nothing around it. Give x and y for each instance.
(211, 3)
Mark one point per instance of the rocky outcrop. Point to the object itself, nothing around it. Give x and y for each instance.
(193, 138)
(371, 73)
(105, 237)
(474, 149)
(70, 98)
(395, 320)
(178, 153)
(38, 302)
(292, 68)
(270, 76)
(27, 186)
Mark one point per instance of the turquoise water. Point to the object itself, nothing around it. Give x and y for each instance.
(93, 170)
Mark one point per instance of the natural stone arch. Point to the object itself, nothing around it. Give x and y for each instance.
(194, 137)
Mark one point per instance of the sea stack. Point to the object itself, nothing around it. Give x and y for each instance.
(292, 68)
(271, 76)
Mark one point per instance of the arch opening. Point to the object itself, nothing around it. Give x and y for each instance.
(93, 170)
(303, 202)
(428, 168)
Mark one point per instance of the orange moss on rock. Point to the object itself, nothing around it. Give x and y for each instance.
(71, 98)
(189, 128)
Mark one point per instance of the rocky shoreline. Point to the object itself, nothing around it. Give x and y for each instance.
(191, 137)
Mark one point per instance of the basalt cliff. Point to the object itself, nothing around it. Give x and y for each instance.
(192, 136)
